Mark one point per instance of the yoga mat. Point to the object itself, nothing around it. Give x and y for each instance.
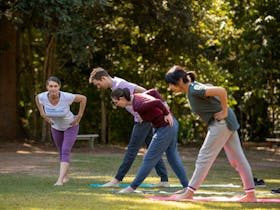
(147, 185)
(122, 185)
(212, 199)
(200, 193)
(163, 192)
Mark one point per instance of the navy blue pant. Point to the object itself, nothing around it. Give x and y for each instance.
(141, 133)
(164, 140)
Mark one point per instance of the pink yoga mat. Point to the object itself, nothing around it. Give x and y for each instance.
(212, 199)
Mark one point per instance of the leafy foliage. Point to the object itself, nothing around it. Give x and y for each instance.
(234, 44)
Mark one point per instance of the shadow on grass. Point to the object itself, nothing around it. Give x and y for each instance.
(28, 184)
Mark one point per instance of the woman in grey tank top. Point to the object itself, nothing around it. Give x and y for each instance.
(210, 103)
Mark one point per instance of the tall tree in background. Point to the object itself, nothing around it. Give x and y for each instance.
(49, 28)
(255, 52)
(9, 123)
(225, 42)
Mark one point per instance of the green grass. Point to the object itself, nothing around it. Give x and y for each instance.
(33, 188)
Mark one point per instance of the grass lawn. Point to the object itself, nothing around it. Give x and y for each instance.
(27, 175)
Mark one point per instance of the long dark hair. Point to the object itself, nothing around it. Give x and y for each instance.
(176, 72)
(121, 92)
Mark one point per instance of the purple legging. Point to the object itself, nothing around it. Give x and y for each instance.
(64, 141)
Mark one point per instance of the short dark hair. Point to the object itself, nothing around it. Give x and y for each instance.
(97, 74)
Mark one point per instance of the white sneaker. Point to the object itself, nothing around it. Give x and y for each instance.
(181, 191)
(112, 183)
(126, 190)
(162, 184)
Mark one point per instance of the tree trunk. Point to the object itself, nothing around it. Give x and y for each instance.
(9, 123)
(103, 119)
(49, 69)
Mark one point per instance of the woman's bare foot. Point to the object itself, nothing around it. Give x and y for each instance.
(126, 190)
(249, 197)
(58, 183)
(66, 179)
(188, 195)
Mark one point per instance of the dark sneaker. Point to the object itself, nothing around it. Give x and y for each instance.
(275, 191)
(259, 182)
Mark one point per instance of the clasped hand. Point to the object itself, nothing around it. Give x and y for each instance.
(220, 115)
(76, 120)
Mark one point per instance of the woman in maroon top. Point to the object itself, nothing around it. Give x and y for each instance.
(150, 106)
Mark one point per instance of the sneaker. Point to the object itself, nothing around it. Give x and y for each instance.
(181, 191)
(275, 191)
(126, 190)
(259, 182)
(112, 183)
(162, 184)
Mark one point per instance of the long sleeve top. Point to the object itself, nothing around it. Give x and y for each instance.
(150, 107)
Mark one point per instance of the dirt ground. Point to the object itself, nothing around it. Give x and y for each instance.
(34, 159)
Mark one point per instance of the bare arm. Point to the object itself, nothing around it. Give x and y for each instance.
(83, 101)
(42, 111)
(222, 94)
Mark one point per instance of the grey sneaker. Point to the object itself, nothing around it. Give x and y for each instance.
(126, 190)
(181, 191)
(111, 184)
(162, 184)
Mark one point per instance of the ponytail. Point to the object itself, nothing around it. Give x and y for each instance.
(176, 72)
(192, 75)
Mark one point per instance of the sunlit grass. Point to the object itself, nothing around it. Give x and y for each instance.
(35, 190)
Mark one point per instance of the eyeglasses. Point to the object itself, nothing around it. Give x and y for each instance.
(115, 102)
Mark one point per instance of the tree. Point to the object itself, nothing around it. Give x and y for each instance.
(55, 25)
(9, 124)
(139, 40)
(257, 56)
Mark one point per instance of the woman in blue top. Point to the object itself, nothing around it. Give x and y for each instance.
(210, 103)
